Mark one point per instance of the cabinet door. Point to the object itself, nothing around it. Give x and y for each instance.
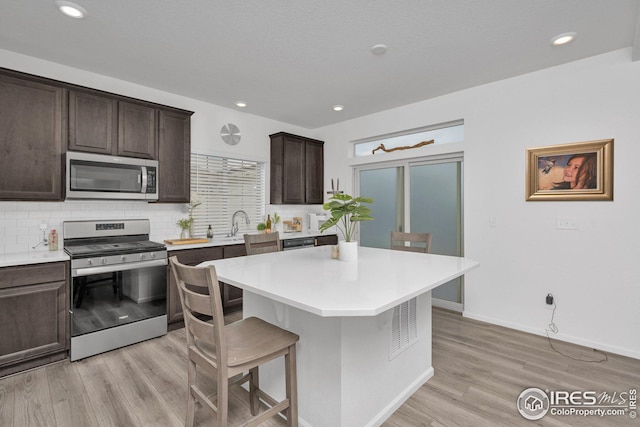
(187, 257)
(293, 189)
(174, 156)
(314, 172)
(92, 123)
(297, 169)
(137, 136)
(33, 314)
(31, 139)
(232, 251)
(231, 295)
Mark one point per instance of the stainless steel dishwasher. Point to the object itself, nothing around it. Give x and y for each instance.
(298, 243)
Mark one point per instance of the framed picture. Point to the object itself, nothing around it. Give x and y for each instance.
(578, 171)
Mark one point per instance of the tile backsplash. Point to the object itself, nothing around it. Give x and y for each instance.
(20, 221)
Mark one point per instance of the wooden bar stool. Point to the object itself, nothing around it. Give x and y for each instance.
(232, 353)
(262, 243)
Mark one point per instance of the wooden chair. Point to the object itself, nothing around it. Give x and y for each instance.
(231, 354)
(418, 242)
(262, 243)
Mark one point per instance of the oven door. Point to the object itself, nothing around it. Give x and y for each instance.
(110, 296)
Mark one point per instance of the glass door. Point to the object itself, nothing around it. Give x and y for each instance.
(386, 187)
(420, 197)
(435, 206)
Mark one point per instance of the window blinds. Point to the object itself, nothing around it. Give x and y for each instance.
(225, 186)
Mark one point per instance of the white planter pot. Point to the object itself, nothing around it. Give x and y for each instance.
(348, 251)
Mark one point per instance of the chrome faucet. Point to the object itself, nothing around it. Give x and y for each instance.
(234, 224)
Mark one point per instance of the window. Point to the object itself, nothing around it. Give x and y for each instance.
(225, 186)
(442, 133)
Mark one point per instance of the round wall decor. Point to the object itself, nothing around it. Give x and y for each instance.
(230, 134)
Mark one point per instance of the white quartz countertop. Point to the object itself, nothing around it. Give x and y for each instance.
(310, 280)
(239, 240)
(32, 257)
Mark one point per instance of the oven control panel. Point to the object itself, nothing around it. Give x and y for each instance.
(130, 261)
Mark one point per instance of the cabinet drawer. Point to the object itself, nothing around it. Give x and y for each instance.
(32, 274)
(196, 256)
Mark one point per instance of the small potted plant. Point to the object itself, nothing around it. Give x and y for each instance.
(185, 225)
(346, 214)
(276, 221)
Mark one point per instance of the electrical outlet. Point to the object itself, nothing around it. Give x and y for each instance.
(549, 300)
(43, 226)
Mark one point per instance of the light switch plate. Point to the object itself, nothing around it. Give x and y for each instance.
(567, 223)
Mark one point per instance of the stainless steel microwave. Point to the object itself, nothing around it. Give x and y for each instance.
(97, 176)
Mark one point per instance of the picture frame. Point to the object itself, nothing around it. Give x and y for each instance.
(570, 172)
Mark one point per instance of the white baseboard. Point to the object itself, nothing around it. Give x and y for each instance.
(449, 305)
(561, 337)
(394, 405)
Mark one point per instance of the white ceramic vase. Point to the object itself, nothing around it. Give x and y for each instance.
(347, 251)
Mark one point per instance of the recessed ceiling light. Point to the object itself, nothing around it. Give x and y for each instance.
(378, 49)
(241, 104)
(338, 107)
(563, 38)
(70, 9)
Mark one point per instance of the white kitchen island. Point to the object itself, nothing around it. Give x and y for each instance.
(350, 373)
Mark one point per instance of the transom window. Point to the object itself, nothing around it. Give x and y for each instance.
(443, 133)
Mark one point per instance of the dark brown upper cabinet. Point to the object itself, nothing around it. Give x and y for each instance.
(104, 124)
(137, 130)
(297, 169)
(108, 124)
(41, 118)
(32, 137)
(93, 122)
(174, 155)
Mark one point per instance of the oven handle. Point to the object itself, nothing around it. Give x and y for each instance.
(78, 272)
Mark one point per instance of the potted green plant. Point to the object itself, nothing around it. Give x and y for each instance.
(185, 225)
(276, 221)
(346, 213)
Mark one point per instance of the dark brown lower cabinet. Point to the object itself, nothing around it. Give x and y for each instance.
(187, 257)
(231, 295)
(34, 321)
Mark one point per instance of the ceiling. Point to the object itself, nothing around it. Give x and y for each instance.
(292, 60)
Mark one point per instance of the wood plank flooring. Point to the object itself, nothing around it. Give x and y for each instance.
(480, 369)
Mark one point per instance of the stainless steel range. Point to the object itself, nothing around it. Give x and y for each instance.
(119, 287)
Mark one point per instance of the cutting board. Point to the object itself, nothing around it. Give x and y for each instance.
(185, 241)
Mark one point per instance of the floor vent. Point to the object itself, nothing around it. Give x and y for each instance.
(404, 329)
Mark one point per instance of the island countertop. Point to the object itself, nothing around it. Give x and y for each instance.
(310, 280)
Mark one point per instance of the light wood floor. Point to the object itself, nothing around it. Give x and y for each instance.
(480, 369)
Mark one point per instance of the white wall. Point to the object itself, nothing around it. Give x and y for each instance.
(19, 221)
(593, 272)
